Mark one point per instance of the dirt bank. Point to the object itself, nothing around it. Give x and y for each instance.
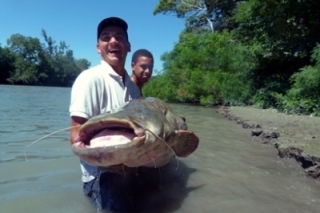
(295, 136)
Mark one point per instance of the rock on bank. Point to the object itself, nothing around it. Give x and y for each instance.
(294, 136)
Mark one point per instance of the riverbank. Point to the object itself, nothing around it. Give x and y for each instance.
(294, 136)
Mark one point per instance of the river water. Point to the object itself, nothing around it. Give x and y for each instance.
(227, 173)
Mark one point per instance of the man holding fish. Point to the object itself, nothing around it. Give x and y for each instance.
(99, 89)
(115, 130)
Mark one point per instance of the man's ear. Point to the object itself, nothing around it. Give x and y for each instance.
(132, 66)
(98, 48)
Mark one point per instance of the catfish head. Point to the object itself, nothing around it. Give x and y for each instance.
(143, 132)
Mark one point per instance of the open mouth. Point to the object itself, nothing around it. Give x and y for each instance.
(112, 137)
(114, 51)
(109, 133)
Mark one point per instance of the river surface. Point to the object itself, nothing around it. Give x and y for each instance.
(227, 173)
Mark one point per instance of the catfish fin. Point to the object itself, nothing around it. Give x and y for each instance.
(186, 142)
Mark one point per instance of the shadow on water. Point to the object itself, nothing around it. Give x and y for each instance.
(159, 190)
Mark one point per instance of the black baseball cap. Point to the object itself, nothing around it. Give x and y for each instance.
(113, 21)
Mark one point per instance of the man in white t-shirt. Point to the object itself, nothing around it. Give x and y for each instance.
(99, 89)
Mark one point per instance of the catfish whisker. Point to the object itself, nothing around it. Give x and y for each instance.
(146, 129)
(154, 162)
(46, 136)
(123, 170)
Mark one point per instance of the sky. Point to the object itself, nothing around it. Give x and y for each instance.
(76, 21)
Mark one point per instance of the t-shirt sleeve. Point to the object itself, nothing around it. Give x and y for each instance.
(84, 97)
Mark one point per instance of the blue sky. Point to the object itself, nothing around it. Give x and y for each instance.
(75, 22)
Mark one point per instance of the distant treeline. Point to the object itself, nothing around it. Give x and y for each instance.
(27, 61)
(249, 52)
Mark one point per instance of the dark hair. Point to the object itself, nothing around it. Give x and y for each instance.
(113, 21)
(140, 53)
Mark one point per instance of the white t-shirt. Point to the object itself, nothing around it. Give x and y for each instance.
(97, 90)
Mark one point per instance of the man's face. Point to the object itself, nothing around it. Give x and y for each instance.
(142, 69)
(113, 45)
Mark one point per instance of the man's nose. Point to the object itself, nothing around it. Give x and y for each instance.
(112, 39)
(147, 70)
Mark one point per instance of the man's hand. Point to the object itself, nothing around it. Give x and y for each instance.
(76, 122)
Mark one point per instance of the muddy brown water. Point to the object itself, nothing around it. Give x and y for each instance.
(227, 173)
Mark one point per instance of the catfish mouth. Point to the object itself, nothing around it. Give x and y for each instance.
(89, 130)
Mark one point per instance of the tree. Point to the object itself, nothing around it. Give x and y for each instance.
(27, 61)
(27, 52)
(6, 64)
(64, 68)
(287, 31)
(205, 68)
(303, 97)
(200, 15)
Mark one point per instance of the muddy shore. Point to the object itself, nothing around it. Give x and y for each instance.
(294, 136)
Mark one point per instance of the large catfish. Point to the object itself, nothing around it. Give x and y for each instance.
(142, 133)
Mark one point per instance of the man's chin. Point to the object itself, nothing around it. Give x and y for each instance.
(113, 60)
(143, 80)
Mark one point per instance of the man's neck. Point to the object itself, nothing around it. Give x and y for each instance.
(119, 70)
(135, 80)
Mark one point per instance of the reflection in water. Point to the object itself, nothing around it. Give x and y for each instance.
(227, 173)
(158, 190)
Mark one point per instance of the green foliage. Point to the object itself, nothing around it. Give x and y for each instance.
(162, 87)
(269, 58)
(27, 61)
(6, 64)
(307, 82)
(287, 29)
(27, 51)
(200, 15)
(206, 68)
(303, 97)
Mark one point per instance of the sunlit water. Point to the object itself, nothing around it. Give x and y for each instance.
(227, 173)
